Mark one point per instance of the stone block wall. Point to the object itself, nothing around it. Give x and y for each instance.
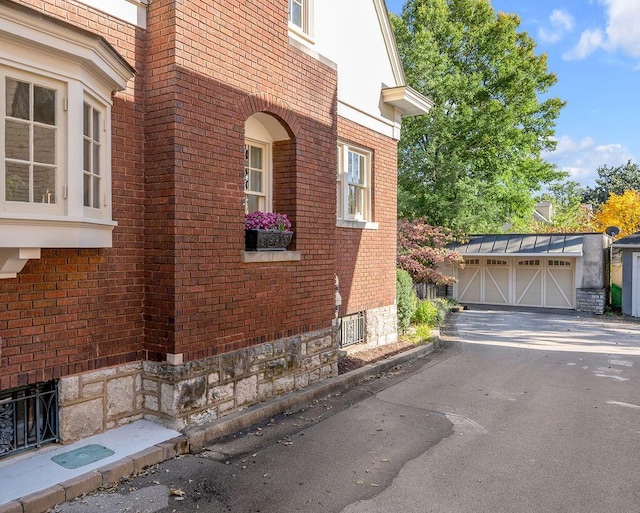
(591, 300)
(93, 402)
(179, 396)
(381, 325)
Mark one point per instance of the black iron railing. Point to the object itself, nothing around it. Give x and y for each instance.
(28, 417)
(351, 329)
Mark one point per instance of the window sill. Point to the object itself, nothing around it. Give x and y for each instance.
(361, 225)
(262, 257)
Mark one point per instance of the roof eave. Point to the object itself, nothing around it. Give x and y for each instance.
(407, 100)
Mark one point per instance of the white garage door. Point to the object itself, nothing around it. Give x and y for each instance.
(542, 282)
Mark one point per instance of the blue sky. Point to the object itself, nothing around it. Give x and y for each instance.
(593, 46)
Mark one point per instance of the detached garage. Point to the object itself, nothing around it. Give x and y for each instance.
(551, 271)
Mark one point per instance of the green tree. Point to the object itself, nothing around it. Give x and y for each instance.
(613, 179)
(569, 214)
(474, 161)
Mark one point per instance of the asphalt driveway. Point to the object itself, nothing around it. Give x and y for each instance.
(549, 330)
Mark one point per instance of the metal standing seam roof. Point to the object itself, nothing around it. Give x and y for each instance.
(522, 244)
(632, 241)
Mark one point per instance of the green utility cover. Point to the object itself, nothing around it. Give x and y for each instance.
(82, 456)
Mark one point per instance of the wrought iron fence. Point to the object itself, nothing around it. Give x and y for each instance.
(28, 417)
(351, 329)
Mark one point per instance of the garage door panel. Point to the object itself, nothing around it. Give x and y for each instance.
(469, 284)
(528, 286)
(559, 283)
(496, 285)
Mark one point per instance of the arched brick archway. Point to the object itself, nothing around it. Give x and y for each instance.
(282, 124)
(270, 104)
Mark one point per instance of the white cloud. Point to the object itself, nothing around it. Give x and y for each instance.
(620, 33)
(590, 41)
(561, 22)
(580, 158)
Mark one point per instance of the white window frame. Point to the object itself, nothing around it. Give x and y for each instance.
(33, 207)
(267, 175)
(84, 68)
(305, 28)
(346, 219)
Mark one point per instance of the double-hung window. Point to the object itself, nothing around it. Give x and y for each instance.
(301, 16)
(257, 177)
(354, 184)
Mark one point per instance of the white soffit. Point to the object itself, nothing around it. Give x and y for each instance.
(131, 11)
(53, 36)
(407, 100)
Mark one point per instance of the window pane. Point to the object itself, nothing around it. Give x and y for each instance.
(352, 200)
(86, 120)
(17, 182)
(96, 159)
(96, 125)
(252, 204)
(87, 190)
(44, 145)
(44, 184)
(86, 155)
(17, 99)
(96, 192)
(256, 157)
(296, 13)
(16, 139)
(44, 105)
(256, 181)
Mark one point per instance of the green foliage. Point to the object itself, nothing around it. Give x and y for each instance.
(569, 214)
(431, 312)
(426, 313)
(613, 179)
(473, 162)
(405, 299)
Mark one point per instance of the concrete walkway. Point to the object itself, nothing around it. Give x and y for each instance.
(33, 483)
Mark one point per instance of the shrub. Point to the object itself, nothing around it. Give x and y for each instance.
(426, 313)
(405, 299)
(432, 312)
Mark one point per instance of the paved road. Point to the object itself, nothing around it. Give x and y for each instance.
(527, 412)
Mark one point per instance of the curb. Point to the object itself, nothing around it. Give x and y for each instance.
(195, 438)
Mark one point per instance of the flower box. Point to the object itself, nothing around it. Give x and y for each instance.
(267, 240)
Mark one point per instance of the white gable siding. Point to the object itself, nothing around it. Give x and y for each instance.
(349, 33)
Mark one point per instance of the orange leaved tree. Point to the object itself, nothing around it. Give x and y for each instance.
(621, 210)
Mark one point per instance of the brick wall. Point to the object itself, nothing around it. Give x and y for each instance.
(366, 258)
(78, 310)
(174, 283)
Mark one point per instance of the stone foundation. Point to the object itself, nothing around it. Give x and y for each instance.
(178, 396)
(93, 402)
(591, 300)
(381, 326)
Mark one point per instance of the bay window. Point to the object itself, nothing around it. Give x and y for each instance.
(56, 87)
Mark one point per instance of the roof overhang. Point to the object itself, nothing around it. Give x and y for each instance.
(60, 39)
(406, 99)
(522, 245)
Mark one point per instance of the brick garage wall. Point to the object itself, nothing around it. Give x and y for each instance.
(367, 258)
(202, 300)
(78, 310)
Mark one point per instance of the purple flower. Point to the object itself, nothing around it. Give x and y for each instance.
(267, 221)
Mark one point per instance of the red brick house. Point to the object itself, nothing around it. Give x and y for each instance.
(135, 136)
